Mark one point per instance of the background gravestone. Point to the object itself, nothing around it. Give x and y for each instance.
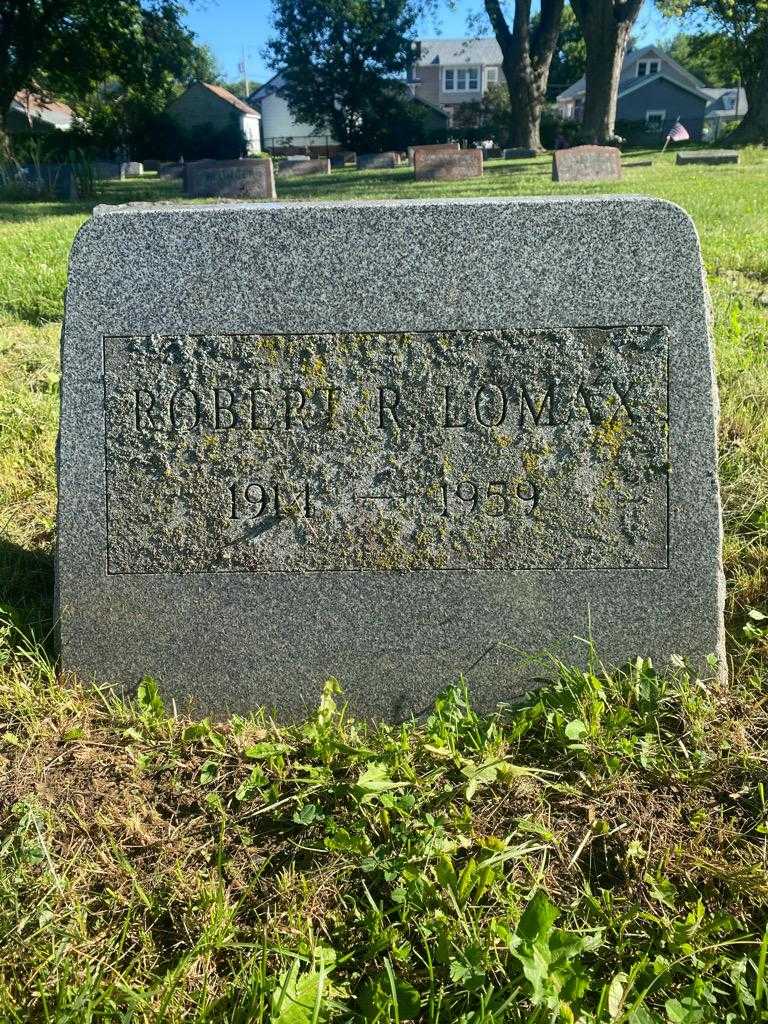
(299, 168)
(57, 180)
(132, 169)
(708, 156)
(519, 154)
(169, 170)
(231, 179)
(587, 163)
(377, 161)
(437, 147)
(288, 451)
(104, 170)
(447, 166)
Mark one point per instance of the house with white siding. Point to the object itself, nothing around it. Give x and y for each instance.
(279, 128)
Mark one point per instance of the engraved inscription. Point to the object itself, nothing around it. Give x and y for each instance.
(514, 449)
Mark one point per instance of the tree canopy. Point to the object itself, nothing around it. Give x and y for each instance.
(68, 47)
(339, 58)
(743, 27)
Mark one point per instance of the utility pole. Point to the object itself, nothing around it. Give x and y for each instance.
(243, 69)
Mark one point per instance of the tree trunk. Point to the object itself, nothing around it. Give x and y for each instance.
(526, 57)
(754, 127)
(605, 25)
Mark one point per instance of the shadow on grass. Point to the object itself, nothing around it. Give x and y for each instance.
(26, 590)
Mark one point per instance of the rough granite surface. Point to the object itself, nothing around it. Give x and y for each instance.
(390, 442)
(447, 166)
(586, 163)
(708, 156)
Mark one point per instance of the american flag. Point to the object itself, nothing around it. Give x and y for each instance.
(677, 133)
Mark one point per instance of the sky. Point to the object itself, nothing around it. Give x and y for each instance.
(234, 27)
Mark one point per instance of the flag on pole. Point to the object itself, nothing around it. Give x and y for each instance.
(677, 133)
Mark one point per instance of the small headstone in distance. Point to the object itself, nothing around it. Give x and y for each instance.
(435, 147)
(394, 469)
(343, 157)
(56, 180)
(377, 161)
(449, 166)
(231, 179)
(297, 157)
(587, 163)
(708, 156)
(105, 170)
(133, 169)
(294, 168)
(519, 154)
(171, 171)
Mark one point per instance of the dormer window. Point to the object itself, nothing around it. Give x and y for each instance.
(647, 67)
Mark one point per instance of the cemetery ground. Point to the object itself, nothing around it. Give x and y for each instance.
(597, 853)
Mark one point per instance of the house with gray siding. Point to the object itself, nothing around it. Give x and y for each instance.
(448, 72)
(653, 89)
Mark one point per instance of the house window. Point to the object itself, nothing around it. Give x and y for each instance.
(729, 101)
(647, 67)
(461, 79)
(654, 119)
(492, 75)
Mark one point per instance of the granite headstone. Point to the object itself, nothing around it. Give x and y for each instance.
(231, 179)
(587, 163)
(447, 166)
(56, 180)
(377, 161)
(132, 169)
(299, 168)
(104, 170)
(519, 154)
(290, 451)
(707, 156)
(436, 147)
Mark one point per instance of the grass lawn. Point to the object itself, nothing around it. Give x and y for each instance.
(596, 854)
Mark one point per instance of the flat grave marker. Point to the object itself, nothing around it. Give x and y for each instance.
(707, 156)
(289, 451)
(587, 163)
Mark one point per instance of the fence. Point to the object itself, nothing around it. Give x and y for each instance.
(301, 145)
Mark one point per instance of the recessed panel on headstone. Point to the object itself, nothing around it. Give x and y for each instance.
(289, 452)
